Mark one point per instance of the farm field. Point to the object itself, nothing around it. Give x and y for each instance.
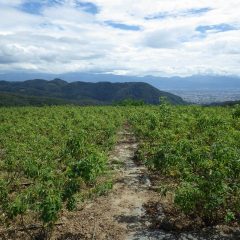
(197, 149)
(54, 159)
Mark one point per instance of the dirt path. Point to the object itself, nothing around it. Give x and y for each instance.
(120, 215)
(132, 189)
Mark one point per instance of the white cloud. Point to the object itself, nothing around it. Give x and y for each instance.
(65, 38)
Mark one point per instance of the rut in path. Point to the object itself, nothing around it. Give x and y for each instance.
(132, 186)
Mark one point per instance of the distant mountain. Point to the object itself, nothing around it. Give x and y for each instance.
(197, 82)
(55, 92)
(227, 103)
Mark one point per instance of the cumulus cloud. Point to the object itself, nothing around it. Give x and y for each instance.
(134, 37)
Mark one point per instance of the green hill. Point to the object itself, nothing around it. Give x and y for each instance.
(58, 92)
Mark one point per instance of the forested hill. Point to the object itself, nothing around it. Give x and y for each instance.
(57, 92)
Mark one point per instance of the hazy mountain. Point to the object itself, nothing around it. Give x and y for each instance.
(173, 83)
(227, 103)
(42, 91)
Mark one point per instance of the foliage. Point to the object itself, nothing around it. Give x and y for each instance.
(199, 147)
(49, 154)
(130, 102)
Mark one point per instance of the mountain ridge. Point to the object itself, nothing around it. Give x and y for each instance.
(194, 82)
(84, 93)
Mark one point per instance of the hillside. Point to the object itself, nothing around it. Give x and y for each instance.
(11, 99)
(42, 92)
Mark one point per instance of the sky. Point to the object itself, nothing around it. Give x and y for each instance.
(123, 37)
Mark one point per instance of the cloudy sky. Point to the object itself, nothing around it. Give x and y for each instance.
(127, 37)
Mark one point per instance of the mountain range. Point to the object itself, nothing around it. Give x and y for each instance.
(57, 92)
(196, 82)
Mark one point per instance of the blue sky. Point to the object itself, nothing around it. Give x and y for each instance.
(123, 26)
(36, 7)
(133, 37)
(217, 28)
(181, 13)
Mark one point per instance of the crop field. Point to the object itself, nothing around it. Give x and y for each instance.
(47, 154)
(199, 149)
(51, 158)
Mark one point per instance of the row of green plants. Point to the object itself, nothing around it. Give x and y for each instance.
(48, 155)
(199, 149)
